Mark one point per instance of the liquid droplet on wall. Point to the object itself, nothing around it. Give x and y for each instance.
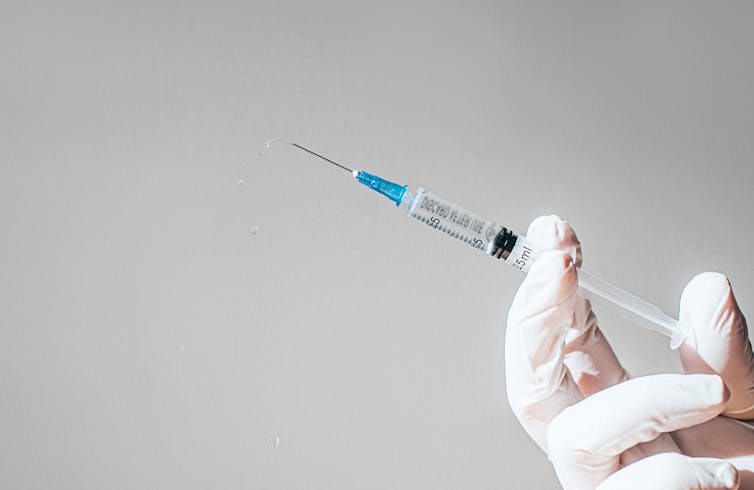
(254, 230)
(275, 441)
(240, 182)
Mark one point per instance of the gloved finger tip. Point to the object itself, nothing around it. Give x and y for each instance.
(553, 233)
(721, 388)
(553, 263)
(707, 300)
(708, 387)
(726, 392)
(704, 284)
(547, 229)
(544, 221)
(727, 475)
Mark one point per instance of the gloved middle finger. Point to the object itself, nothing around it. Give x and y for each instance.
(587, 439)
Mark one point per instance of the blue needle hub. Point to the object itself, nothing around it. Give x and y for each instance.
(391, 190)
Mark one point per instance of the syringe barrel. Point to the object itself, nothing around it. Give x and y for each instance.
(472, 229)
(516, 250)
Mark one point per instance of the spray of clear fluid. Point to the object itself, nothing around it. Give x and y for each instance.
(502, 243)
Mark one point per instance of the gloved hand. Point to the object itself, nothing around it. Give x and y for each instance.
(602, 430)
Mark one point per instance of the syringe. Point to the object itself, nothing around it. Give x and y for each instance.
(504, 244)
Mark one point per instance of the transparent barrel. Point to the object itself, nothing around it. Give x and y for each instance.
(461, 224)
(498, 241)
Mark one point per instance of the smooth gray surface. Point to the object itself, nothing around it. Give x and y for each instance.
(150, 340)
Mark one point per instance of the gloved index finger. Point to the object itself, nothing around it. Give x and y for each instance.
(538, 384)
(588, 355)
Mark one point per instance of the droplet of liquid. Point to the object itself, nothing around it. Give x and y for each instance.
(180, 350)
(240, 182)
(275, 441)
(243, 164)
(254, 230)
(269, 143)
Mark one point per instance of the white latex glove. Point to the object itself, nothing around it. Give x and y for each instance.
(570, 393)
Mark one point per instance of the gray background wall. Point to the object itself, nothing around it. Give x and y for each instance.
(149, 339)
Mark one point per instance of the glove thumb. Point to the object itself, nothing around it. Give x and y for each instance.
(718, 340)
